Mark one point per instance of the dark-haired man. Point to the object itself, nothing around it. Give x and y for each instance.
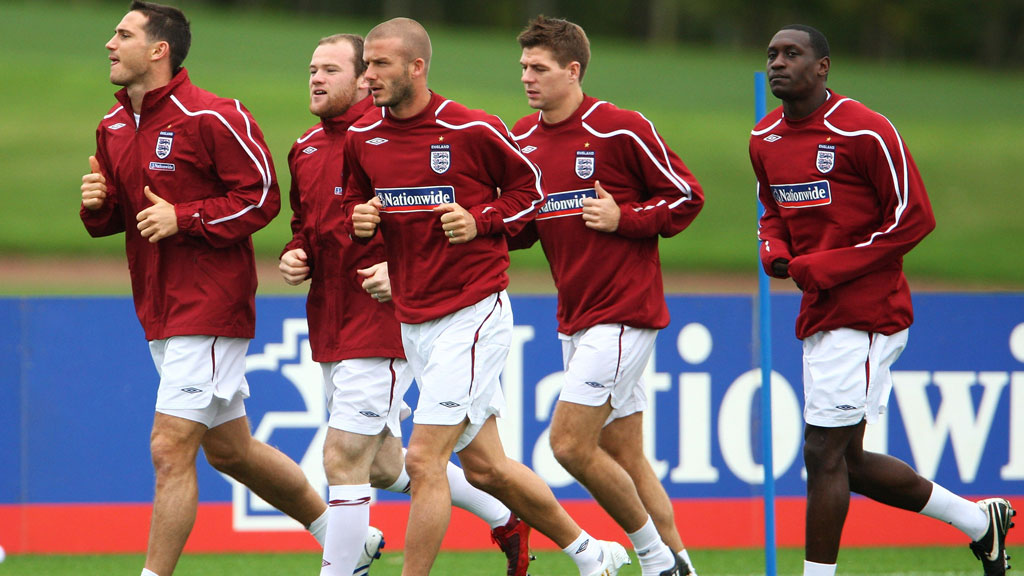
(443, 185)
(613, 187)
(353, 332)
(843, 203)
(187, 178)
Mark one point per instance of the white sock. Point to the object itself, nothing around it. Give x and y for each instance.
(655, 556)
(146, 572)
(963, 514)
(476, 501)
(401, 485)
(586, 552)
(685, 557)
(815, 569)
(319, 528)
(348, 518)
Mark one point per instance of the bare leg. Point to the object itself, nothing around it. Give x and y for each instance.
(828, 489)
(173, 444)
(622, 439)
(575, 430)
(489, 469)
(885, 479)
(348, 456)
(388, 463)
(347, 460)
(274, 477)
(426, 461)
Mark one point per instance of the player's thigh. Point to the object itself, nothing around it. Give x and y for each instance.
(202, 378)
(606, 363)
(457, 361)
(364, 395)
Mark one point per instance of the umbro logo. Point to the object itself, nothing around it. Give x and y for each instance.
(450, 404)
(369, 414)
(584, 546)
(309, 150)
(772, 138)
(377, 141)
(529, 149)
(117, 126)
(191, 390)
(594, 384)
(845, 407)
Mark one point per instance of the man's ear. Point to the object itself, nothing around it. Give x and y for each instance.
(160, 50)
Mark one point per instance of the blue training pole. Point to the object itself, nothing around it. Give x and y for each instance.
(765, 344)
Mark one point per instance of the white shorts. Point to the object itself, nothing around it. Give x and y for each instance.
(607, 360)
(847, 375)
(364, 395)
(202, 378)
(457, 360)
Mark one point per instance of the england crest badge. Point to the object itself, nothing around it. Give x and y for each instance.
(826, 159)
(440, 157)
(163, 144)
(585, 163)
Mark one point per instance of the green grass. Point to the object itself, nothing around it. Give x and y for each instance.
(930, 561)
(962, 125)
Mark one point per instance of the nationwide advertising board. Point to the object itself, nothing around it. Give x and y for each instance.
(77, 388)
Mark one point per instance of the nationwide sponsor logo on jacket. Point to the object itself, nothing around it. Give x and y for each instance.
(568, 203)
(162, 166)
(419, 199)
(802, 195)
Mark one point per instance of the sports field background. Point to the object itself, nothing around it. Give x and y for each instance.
(961, 124)
(935, 561)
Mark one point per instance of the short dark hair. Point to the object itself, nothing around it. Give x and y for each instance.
(356, 41)
(168, 24)
(818, 41)
(567, 41)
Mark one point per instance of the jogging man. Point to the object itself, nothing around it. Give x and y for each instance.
(613, 187)
(353, 331)
(187, 178)
(443, 185)
(843, 202)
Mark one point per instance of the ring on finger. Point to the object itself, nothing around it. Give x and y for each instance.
(451, 233)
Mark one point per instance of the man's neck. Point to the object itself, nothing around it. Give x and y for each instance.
(137, 91)
(563, 109)
(411, 106)
(800, 109)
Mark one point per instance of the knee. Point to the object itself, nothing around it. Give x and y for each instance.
(487, 477)
(820, 459)
(422, 467)
(570, 452)
(169, 456)
(223, 458)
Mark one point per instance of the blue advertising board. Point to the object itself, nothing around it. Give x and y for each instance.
(77, 390)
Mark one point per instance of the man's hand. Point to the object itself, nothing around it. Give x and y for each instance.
(294, 267)
(159, 221)
(366, 217)
(376, 281)
(601, 213)
(94, 186)
(458, 224)
(780, 268)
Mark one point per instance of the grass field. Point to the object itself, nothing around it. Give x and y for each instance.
(962, 125)
(937, 561)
